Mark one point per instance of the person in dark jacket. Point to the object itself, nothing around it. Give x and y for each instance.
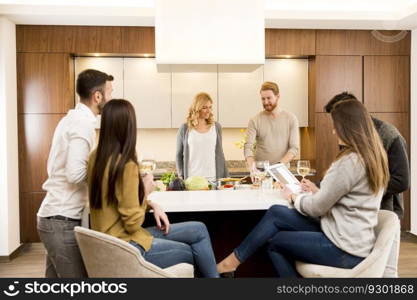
(396, 148)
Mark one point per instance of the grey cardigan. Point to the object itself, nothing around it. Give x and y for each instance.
(346, 205)
(182, 154)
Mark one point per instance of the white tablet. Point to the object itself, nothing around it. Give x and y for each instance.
(281, 174)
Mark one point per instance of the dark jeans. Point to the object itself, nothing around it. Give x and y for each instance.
(63, 258)
(187, 242)
(292, 236)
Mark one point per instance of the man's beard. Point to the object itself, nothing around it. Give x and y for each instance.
(271, 107)
(100, 106)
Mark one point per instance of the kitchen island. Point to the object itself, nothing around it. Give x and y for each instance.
(217, 200)
(229, 216)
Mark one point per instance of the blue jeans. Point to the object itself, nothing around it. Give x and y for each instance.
(187, 242)
(292, 236)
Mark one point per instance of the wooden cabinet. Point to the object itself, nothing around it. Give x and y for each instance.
(31, 203)
(85, 39)
(326, 143)
(149, 91)
(387, 83)
(297, 42)
(35, 139)
(336, 74)
(44, 82)
(292, 77)
(362, 42)
(239, 98)
(187, 81)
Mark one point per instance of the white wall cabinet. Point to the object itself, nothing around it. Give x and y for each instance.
(186, 83)
(149, 91)
(239, 97)
(292, 77)
(162, 97)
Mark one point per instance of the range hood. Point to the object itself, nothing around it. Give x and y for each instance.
(201, 32)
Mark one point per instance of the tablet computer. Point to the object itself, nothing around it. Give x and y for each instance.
(281, 174)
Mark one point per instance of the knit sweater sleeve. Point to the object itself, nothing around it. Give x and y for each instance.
(338, 181)
(179, 156)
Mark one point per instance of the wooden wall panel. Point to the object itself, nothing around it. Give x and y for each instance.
(299, 42)
(336, 74)
(31, 202)
(359, 42)
(45, 83)
(35, 138)
(387, 83)
(326, 143)
(312, 83)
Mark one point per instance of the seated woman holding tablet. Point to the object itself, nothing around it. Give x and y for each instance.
(333, 225)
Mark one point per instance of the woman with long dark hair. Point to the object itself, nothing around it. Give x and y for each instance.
(333, 225)
(118, 199)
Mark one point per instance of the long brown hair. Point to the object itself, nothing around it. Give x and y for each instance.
(354, 127)
(117, 144)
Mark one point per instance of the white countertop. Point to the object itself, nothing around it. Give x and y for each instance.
(219, 200)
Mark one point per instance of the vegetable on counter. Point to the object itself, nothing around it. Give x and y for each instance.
(195, 183)
(168, 177)
(176, 184)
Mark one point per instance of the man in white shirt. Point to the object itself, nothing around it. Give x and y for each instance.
(66, 186)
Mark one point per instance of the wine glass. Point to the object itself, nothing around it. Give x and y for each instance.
(147, 164)
(260, 173)
(303, 168)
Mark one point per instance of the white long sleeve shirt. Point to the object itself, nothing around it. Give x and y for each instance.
(66, 186)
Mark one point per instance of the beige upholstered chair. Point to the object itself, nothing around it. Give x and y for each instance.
(373, 265)
(107, 256)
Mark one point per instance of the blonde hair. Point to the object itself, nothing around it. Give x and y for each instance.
(199, 101)
(270, 86)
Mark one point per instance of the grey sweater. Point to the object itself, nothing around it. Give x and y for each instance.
(183, 154)
(346, 205)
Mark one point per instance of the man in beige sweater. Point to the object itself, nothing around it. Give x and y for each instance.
(274, 131)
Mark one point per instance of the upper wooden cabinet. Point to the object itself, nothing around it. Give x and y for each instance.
(85, 39)
(361, 42)
(45, 83)
(298, 42)
(387, 83)
(336, 74)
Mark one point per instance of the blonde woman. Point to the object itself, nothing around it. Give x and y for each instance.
(199, 142)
